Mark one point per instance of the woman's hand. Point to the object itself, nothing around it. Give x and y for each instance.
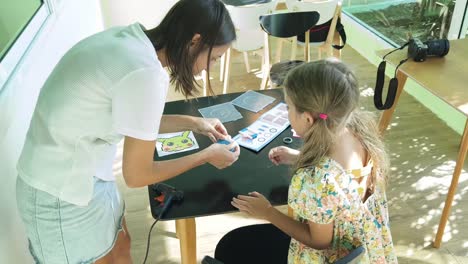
(283, 155)
(221, 156)
(255, 205)
(211, 127)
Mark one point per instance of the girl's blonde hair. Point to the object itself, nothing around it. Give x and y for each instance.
(330, 87)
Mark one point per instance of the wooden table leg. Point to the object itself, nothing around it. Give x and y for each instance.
(266, 62)
(290, 212)
(227, 70)
(279, 49)
(307, 47)
(387, 114)
(205, 82)
(186, 232)
(336, 41)
(221, 67)
(453, 186)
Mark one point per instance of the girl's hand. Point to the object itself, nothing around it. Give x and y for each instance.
(221, 156)
(211, 127)
(283, 155)
(255, 205)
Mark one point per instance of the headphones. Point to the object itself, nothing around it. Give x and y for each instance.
(392, 86)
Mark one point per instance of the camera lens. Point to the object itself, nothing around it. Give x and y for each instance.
(439, 47)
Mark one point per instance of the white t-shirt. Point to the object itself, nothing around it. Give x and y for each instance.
(107, 86)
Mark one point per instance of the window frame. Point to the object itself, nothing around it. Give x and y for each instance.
(464, 29)
(458, 25)
(21, 46)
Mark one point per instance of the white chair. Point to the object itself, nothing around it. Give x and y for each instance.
(328, 10)
(249, 34)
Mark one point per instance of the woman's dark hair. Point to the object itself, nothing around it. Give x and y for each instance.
(210, 19)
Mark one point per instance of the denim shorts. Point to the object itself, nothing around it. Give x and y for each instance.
(61, 232)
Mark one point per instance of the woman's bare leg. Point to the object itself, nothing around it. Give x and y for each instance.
(121, 250)
(107, 259)
(120, 253)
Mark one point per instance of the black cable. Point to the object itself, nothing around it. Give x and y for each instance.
(166, 206)
(149, 239)
(401, 63)
(400, 48)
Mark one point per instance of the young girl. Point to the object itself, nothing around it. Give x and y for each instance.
(337, 192)
(108, 87)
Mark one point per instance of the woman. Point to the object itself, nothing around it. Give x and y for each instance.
(108, 87)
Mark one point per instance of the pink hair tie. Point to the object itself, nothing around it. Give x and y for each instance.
(323, 116)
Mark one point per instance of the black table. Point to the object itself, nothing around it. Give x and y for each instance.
(209, 191)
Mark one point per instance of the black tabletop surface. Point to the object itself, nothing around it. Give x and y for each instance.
(209, 191)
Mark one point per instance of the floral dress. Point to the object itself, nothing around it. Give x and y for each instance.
(326, 194)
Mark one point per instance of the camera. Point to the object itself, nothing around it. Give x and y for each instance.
(419, 50)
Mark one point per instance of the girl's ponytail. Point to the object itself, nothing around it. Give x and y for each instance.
(364, 127)
(317, 143)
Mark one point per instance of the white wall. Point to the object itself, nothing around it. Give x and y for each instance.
(124, 12)
(75, 20)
